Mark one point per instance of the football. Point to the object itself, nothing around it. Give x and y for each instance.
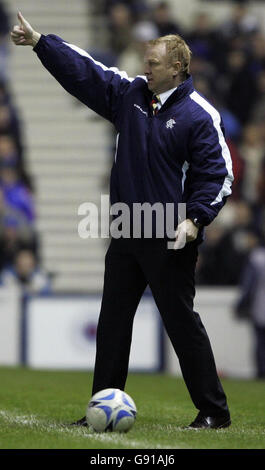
(111, 410)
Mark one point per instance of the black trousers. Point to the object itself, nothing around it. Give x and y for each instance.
(130, 265)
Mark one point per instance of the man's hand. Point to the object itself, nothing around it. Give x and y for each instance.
(186, 232)
(23, 34)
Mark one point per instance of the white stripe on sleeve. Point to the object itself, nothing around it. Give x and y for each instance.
(226, 188)
(112, 69)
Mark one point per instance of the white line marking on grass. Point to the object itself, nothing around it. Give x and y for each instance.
(33, 422)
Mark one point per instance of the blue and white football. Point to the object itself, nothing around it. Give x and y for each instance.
(111, 410)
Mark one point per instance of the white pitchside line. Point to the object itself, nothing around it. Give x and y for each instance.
(31, 421)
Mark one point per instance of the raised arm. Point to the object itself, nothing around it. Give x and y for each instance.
(98, 87)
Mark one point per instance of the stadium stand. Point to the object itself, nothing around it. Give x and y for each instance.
(66, 150)
(69, 150)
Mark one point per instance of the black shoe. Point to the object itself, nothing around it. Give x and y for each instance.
(80, 422)
(210, 422)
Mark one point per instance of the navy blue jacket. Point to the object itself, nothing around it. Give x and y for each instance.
(179, 155)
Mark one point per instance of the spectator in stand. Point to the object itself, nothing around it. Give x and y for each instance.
(9, 240)
(10, 124)
(4, 93)
(15, 235)
(257, 50)
(241, 92)
(120, 25)
(4, 42)
(261, 185)
(162, 18)
(9, 154)
(258, 110)
(138, 8)
(204, 76)
(206, 270)
(5, 119)
(8, 149)
(26, 274)
(252, 151)
(16, 194)
(231, 124)
(251, 303)
(131, 60)
(241, 23)
(258, 207)
(203, 39)
(11, 135)
(224, 258)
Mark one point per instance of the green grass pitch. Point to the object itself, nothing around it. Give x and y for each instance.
(36, 408)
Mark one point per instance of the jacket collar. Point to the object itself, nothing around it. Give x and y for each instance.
(184, 89)
(163, 97)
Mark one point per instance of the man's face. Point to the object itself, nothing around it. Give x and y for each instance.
(160, 74)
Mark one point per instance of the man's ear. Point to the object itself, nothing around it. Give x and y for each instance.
(177, 68)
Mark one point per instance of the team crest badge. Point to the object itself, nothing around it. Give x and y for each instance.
(170, 123)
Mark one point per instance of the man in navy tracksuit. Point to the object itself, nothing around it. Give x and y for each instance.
(170, 149)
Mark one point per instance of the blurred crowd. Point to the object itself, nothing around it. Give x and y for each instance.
(228, 68)
(19, 244)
